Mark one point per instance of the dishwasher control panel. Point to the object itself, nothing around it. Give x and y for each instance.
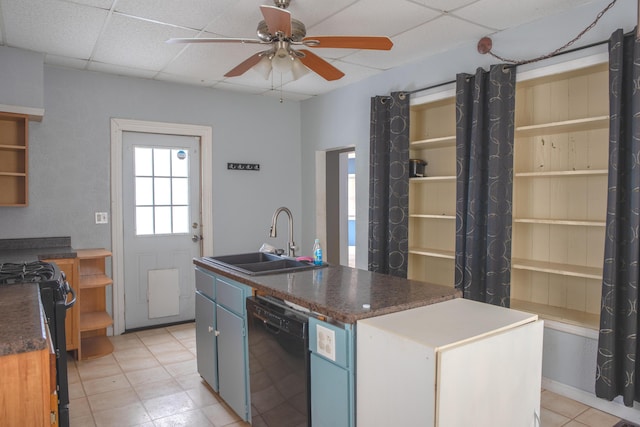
(277, 316)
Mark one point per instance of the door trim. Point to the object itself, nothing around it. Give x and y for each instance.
(118, 126)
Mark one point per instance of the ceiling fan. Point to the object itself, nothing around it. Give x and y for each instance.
(282, 32)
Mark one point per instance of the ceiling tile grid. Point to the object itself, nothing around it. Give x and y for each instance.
(128, 37)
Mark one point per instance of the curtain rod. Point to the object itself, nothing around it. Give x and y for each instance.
(514, 65)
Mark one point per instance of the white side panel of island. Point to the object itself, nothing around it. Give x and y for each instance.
(449, 364)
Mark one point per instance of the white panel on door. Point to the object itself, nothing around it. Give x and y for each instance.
(164, 293)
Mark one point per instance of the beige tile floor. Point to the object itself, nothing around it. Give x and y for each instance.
(151, 380)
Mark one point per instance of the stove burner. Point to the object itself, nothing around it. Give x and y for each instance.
(36, 271)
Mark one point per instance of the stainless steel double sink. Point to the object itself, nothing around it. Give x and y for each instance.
(260, 263)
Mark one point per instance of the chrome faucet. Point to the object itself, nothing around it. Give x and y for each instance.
(273, 233)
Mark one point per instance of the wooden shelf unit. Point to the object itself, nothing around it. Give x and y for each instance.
(94, 318)
(560, 194)
(432, 199)
(14, 159)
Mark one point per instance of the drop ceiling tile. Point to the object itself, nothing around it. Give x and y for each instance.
(137, 43)
(239, 20)
(102, 4)
(501, 15)
(309, 12)
(364, 18)
(65, 61)
(52, 26)
(196, 14)
(210, 60)
(444, 5)
(421, 42)
(313, 84)
(120, 70)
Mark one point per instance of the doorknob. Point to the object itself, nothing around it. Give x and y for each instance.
(195, 238)
(210, 328)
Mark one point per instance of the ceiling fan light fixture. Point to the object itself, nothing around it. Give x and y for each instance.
(263, 66)
(298, 69)
(282, 61)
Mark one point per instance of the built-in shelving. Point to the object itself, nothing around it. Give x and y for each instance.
(14, 159)
(94, 318)
(559, 203)
(432, 197)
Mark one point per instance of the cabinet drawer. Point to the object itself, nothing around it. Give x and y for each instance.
(205, 283)
(230, 295)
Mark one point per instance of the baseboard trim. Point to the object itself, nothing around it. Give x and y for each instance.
(615, 407)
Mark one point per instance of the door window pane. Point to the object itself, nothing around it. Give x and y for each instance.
(161, 190)
(144, 220)
(180, 163)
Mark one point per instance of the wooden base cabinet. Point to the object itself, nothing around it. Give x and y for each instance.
(72, 321)
(28, 389)
(457, 363)
(94, 318)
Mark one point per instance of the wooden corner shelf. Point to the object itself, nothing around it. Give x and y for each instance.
(94, 318)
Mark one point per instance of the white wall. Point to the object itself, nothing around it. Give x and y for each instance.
(69, 163)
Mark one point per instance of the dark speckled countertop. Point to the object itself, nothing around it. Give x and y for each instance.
(22, 325)
(34, 249)
(341, 293)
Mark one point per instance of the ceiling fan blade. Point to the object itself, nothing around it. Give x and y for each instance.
(320, 66)
(350, 42)
(277, 19)
(214, 40)
(245, 65)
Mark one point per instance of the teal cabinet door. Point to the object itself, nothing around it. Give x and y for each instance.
(330, 400)
(206, 350)
(232, 370)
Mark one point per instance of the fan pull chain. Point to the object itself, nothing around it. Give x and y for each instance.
(281, 100)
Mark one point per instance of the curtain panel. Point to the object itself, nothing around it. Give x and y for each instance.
(617, 361)
(389, 184)
(485, 109)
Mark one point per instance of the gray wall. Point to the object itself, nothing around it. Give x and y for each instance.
(341, 118)
(69, 163)
(22, 78)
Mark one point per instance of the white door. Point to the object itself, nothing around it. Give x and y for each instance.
(161, 227)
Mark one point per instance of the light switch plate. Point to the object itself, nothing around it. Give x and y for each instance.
(102, 218)
(326, 342)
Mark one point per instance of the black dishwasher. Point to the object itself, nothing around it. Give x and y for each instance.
(278, 363)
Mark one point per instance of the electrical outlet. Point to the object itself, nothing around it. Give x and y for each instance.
(326, 342)
(102, 218)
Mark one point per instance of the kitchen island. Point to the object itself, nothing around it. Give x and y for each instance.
(337, 297)
(380, 349)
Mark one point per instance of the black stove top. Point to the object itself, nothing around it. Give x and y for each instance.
(36, 271)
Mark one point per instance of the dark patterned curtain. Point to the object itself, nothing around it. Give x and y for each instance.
(485, 105)
(389, 184)
(617, 370)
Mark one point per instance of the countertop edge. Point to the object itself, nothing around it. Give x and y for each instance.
(333, 314)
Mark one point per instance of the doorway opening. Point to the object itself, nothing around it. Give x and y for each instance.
(341, 206)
